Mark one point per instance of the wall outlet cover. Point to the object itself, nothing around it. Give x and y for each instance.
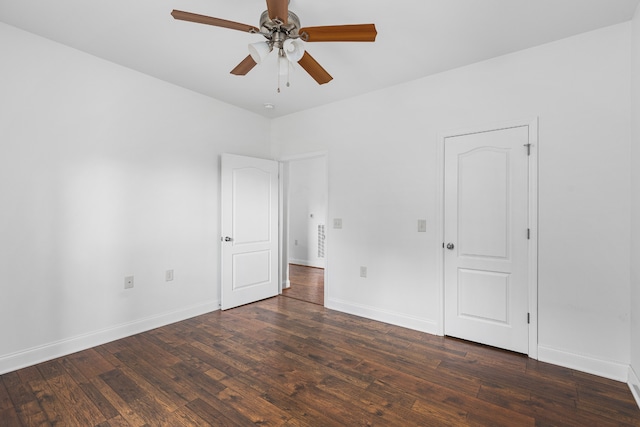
(337, 223)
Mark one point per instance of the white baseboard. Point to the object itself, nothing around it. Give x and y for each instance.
(286, 284)
(32, 356)
(603, 368)
(634, 385)
(423, 325)
(307, 263)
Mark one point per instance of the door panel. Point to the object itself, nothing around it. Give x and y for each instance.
(474, 286)
(251, 205)
(483, 203)
(486, 221)
(249, 194)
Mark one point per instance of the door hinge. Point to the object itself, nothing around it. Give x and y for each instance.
(528, 318)
(528, 233)
(528, 149)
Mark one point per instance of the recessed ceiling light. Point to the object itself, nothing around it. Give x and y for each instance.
(269, 106)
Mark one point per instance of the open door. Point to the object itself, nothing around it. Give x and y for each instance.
(249, 195)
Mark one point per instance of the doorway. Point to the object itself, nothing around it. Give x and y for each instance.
(307, 284)
(489, 229)
(305, 192)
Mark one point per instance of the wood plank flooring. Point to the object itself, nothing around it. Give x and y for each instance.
(284, 362)
(307, 284)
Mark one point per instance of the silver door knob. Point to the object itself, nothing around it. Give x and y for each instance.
(450, 246)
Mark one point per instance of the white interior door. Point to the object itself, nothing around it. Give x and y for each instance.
(486, 237)
(249, 194)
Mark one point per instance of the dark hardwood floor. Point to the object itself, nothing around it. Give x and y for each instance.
(284, 362)
(307, 284)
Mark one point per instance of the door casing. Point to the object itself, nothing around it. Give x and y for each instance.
(532, 275)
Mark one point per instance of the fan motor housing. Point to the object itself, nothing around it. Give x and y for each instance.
(269, 26)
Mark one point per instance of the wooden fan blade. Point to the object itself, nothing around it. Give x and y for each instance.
(340, 33)
(244, 67)
(314, 69)
(278, 9)
(201, 19)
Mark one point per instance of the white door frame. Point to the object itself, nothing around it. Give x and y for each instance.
(532, 275)
(284, 218)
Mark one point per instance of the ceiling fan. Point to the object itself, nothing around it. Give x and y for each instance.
(281, 29)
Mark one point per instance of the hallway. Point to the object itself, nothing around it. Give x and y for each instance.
(307, 284)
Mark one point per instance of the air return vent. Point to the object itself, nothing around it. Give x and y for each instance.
(321, 241)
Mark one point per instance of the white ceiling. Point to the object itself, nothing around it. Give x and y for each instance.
(416, 38)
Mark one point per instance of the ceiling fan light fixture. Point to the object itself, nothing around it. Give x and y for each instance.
(281, 27)
(293, 49)
(259, 51)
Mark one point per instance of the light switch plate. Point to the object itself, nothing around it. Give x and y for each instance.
(422, 225)
(128, 282)
(337, 222)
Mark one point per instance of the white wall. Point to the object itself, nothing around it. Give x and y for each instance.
(382, 178)
(104, 173)
(635, 209)
(307, 209)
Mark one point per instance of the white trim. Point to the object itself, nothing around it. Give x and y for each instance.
(307, 263)
(533, 241)
(602, 368)
(304, 156)
(35, 355)
(283, 274)
(532, 125)
(440, 230)
(394, 318)
(634, 382)
(327, 238)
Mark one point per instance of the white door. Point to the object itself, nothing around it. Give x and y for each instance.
(249, 194)
(486, 237)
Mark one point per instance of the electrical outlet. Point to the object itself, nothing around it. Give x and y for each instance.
(337, 223)
(363, 271)
(422, 225)
(128, 282)
(168, 276)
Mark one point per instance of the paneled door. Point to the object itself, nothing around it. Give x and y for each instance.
(486, 195)
(249, 194)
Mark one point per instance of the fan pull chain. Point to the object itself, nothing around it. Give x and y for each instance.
(280, 53)
(288, 73)
(278, 81)
(285, 67)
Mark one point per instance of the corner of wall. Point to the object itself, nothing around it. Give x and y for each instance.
(634, 337)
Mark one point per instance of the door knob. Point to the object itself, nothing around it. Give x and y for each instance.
(228, 239)
(450, 246)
